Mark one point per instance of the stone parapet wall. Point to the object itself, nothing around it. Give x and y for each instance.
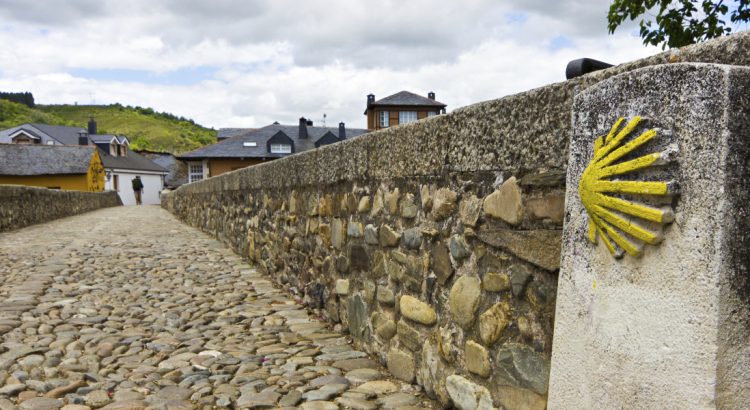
(437, 244)
(435, 266)
(23, 206)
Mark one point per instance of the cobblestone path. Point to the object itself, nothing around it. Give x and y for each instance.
(127, 308)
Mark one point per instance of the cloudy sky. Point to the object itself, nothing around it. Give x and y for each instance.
(247, 63)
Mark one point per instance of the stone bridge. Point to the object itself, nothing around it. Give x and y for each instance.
(581, 245)
(127, 308)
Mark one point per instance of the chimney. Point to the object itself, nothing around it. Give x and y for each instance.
(302, 128)
(92, 126)
(370, 99)
(342, 131)
(83, 138)
(431, 95)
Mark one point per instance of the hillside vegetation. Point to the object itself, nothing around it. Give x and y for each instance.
(144, 127)
(12, 114)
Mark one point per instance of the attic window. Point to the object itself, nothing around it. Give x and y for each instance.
(281, 149)
(250, 144)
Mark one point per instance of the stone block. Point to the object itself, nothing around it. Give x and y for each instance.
(550, 207)
(444, 203)
(477, 359)
(520, 365)
(412, 238)
(355, 229)
(467, 395)
(386, 296)
(540, 246)
(416, 310)
(387, 236)
(425, 198)
(338, 233)
(505, 203)
(371, 235)
(469, 210)
(364, 205)
(463, 300)
(401, 365)
(496, 282)
(440, 262)
(342, 287)
(408, 207)
(408, 336)
(391, 201)
(459, 248)
(492, 324)
(357, 313)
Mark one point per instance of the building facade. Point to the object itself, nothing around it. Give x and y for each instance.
(72, 168)
(400, 108)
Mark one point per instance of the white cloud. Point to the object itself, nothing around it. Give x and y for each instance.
(282, 59)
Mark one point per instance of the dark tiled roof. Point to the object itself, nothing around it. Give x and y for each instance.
(234, 147)
(133, 161)
(225, 133)
(407, 98)
(60, 134)
(23, 159)
(64, 135)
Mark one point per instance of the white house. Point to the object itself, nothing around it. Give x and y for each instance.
(121, 166)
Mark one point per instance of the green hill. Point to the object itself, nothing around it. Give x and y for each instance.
(144, 127)
(12, 114)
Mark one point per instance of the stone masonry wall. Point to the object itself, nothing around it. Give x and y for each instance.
(23, 206)
(437, 244)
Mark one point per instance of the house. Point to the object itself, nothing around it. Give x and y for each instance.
(120, 163)
(176, 169)
(73, 168)
(400, 108)
(259, 145)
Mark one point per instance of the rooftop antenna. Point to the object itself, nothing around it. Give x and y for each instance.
(324, 119)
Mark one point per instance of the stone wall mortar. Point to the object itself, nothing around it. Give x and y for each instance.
(22, 206)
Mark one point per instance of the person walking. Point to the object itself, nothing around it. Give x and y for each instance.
(137, 188)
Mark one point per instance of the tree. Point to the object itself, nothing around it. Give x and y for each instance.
(678, 22)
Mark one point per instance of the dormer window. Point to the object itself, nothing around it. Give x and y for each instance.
(280, 143)
(281, 149)
(113, 149)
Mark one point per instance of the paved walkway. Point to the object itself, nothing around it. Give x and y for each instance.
(127, 308)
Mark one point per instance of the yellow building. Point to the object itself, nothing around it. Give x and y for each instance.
(74, 168)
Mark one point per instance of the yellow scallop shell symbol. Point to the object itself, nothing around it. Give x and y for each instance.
(622, 224)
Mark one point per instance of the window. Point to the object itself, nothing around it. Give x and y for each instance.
(195, 172)
(431, 113)
(116, 182)
(405, 117)
(250, 144)
(383, 119)
(281, 149)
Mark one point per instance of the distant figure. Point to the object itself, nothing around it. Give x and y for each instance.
(137, 188)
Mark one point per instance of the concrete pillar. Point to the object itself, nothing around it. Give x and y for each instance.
(669, 328)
